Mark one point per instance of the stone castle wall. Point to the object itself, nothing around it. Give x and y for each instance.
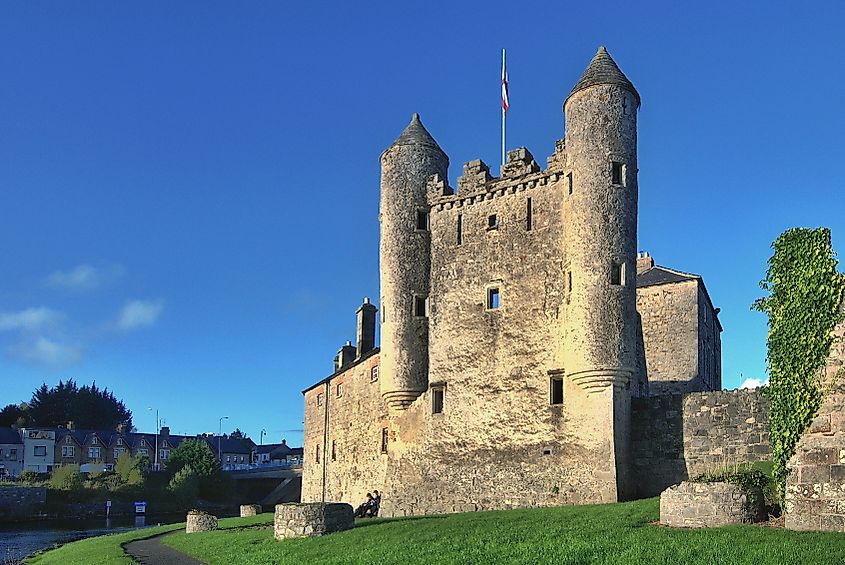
(676, 437)
(355, 423)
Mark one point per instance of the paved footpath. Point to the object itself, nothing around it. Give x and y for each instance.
(153, 552)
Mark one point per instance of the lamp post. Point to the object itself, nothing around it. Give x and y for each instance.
(155, 465)
(219, 435)
(261, 436)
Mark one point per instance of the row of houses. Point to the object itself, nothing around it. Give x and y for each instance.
(43, 449)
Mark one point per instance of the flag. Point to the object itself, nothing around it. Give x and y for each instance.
(505, 101)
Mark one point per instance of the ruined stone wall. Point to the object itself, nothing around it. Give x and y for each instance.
(676, 437)
(355, 423)
(669, 315)
(815, 486)
(709, 343)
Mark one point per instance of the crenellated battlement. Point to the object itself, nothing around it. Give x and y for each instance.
(476, 184)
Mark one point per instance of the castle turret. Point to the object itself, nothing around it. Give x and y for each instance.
(600, 214)
(405, 255)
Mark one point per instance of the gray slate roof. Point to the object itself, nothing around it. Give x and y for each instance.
(661, 275)
(416, 134)
(604, 70)
(10, 436)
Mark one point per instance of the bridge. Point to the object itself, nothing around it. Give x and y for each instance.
(269, 485)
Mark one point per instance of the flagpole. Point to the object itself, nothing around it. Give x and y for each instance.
(504, 112)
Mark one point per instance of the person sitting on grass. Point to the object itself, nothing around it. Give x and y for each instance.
(374, 505)
(364, 507)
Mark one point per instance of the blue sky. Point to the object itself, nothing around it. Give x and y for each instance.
(189, 191)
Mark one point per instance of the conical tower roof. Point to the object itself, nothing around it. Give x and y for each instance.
(416, 134)
(603, 70)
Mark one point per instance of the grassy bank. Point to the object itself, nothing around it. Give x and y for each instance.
(616, 533)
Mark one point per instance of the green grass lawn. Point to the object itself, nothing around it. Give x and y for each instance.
(104, 550)
(613, 533)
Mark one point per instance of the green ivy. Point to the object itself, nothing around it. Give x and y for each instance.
(805, 291)
(749, 480)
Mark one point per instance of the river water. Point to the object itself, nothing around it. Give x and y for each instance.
(19, 540)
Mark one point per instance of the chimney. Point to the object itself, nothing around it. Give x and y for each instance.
(69, 424)
(165, 431)
(345, 356)
(366, 328)
(284, 442)
(644, 261)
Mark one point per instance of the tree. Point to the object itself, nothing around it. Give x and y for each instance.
(16, 415)
(185, 484)
(197, 455)
(87, 407)
(238, 434)
(128, 469)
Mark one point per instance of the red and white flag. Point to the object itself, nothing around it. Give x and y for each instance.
(505, 101)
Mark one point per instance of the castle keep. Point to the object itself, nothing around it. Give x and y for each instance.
(522, 336)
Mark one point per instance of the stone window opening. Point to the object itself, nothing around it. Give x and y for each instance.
(384, 438)
(617, 274)
(317, 454)
(493, 298)
(568, 281)
(569, 183)
(334, 450)
(437, 398)
(319, 399)
(547, 452)
(383, 313)
(339, 389)
(529, 216)
(460, 238)
(374, 374)
(556, 391)
(617, 173)
(420, 306)
(422, 220)
(492, 222)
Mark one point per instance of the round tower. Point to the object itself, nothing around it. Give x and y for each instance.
(600, 215)
(405, 262)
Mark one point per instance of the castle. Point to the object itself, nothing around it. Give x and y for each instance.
(519, 326)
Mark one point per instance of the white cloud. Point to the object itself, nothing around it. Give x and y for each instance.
(139, 314)
(84, 277)
(42, 351)
(753, 383)
(31, 319)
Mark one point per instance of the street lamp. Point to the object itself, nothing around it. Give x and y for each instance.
(219, 435)
(155, 466)
(261, 437)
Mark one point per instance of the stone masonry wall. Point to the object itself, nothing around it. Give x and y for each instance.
(815, 486)
(16, 501)
(669, 315)
(311, 519)
(709, 505)
(356, 419)
(676, 437)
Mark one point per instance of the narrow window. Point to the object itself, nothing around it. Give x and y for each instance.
(460, 228)
(492, 298)
(492, 222)
(383, 310)
(384, 436)
(568, 281)
(317, 452)
(569, 183)
(529, 217)
(420, 306)
(617, 274)
(319, 399)
(339, 390)
(547, 452)
(334, 450)
(422, 220)
(437, 395)
(616, 172)
(374, 374)
(556, 390)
